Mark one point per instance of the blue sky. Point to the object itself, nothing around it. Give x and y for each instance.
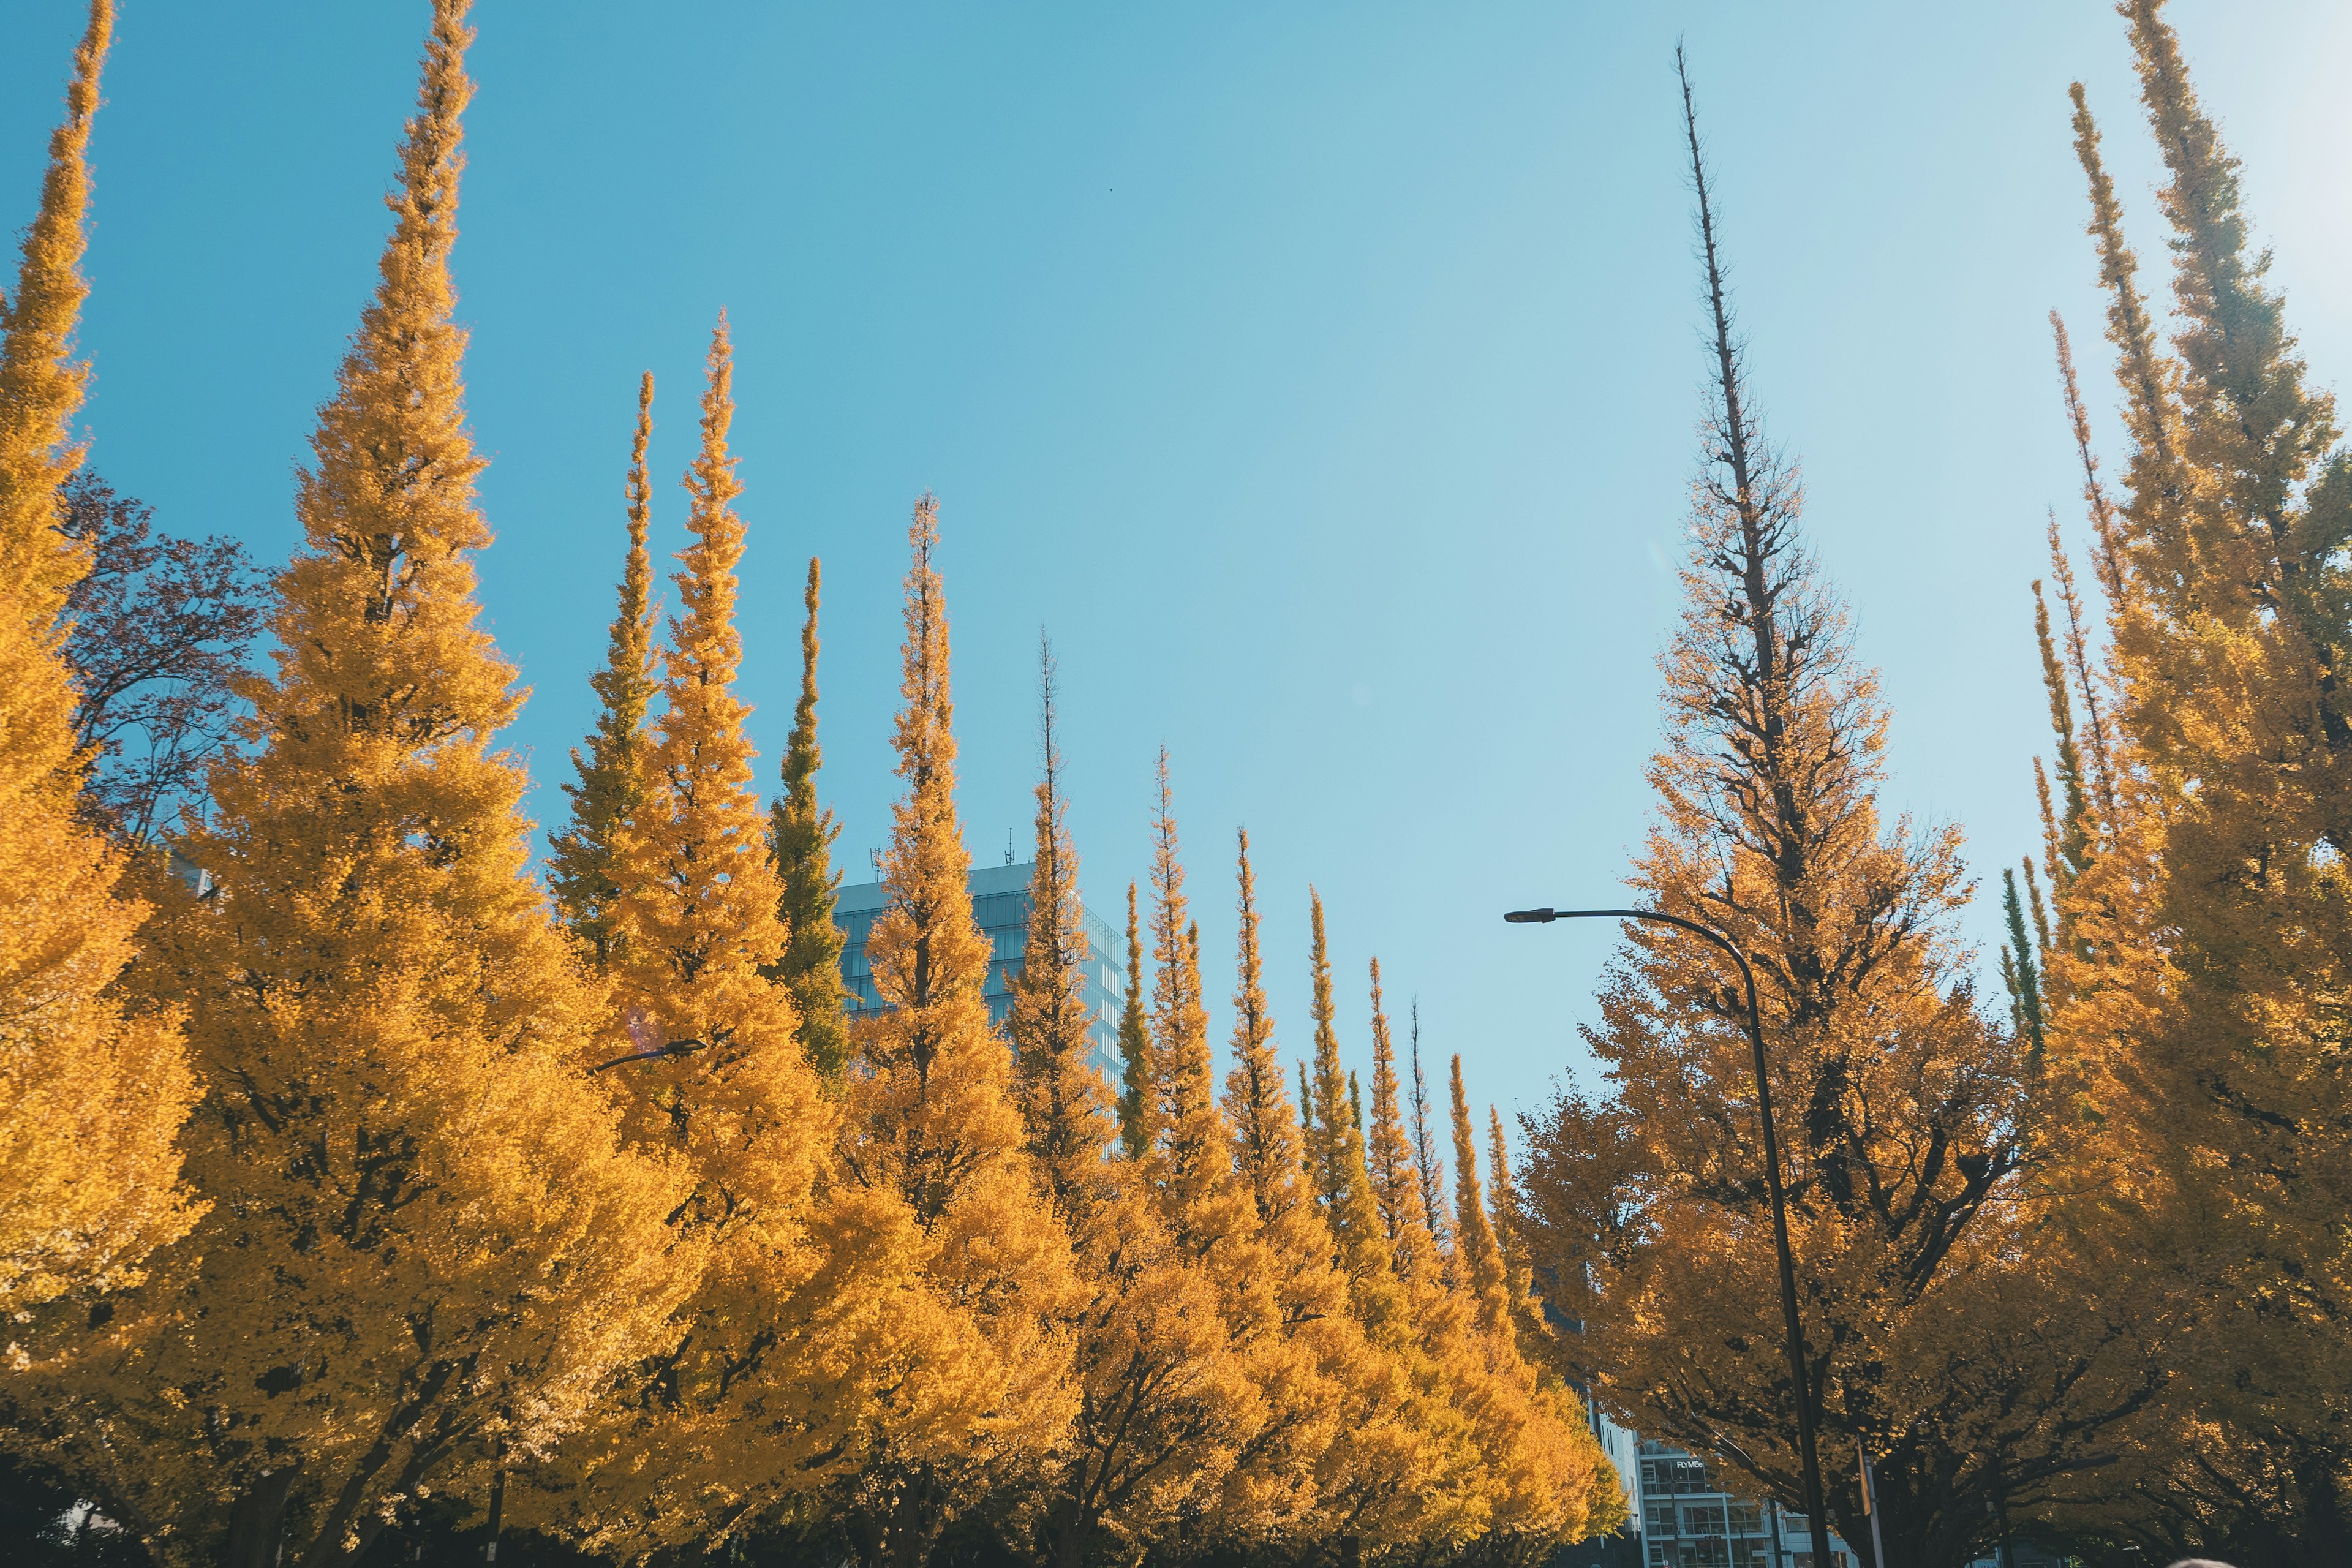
(1323, 378)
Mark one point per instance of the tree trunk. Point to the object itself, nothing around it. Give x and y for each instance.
(901, 1532)
(1074, 1538)
(2324, 1527)
(918, 1519)
(256, 1522)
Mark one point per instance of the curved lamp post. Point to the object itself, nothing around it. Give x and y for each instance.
(1816, 1518)
(675, 1049)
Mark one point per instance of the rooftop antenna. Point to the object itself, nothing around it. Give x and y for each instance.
(1008, 846)
(875, 856)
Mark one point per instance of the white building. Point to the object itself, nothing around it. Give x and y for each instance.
(1688, 1519)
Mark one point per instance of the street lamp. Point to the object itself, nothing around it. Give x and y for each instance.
(658, 1053)
(1816, 1518)
(644, 1035)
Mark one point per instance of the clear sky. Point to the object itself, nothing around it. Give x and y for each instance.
(1323, 378)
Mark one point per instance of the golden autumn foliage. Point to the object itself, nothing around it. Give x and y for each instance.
(1401, 1468)
(368, 1191)
(728, 1425)
(1153, 1430)
(1389, 1158)
(1064, 1103)
(2204, 935)
(1538, 1476)
(1308, 1359)
(975, 1389)
(1267, 1148)
(92, 1093)
(1188, 1160)
(613, 776)
(1449, 1438)
(1545, 1473)
(1484, 1271)
(1913, 1190)
(695, 913)
(423, 1246)
(1335, 1150)
(1187, 1177)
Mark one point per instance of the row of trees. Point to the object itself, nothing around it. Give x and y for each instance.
(2082, 1262)
(353, 1189)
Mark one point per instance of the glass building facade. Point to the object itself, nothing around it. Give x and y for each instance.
(1688, 1519)
(1000, 902)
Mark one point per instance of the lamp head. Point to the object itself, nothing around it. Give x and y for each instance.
(1530, 916)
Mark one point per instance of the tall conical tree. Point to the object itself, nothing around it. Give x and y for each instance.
(1483, 1269)
(1064, 1100)
(2097, 506)
(979, 1387)
(423, 1244)
(1511, 1237)
(612, 776)
(2253, 427)
(1314, 1359)
(1337, 1142)
(1134, 1045)
(2149, 412)
(2021, 959)
(2074, 819)
(800, 834)
(1381, 1468)
(713, 1077)
(1267, 1148)
(1164, 1405)
(1545, 1478)
(91, 1101)
(41, 384)
(1177, 1018)
(1408, 1470)
(696, 908)
(1395, 1174)
(1538, 1479)
(1769, 829)
(2087, 685)
(1306, 1121)
(2210, 947)
(1187, 1152)
(1428, 1165)
(1188, 1167)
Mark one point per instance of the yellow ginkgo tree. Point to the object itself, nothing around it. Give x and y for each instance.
(93, 1090)
(425, 1251)
(726, 1426)
(973, 1393)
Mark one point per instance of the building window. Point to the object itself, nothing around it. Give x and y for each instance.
(1658, 1518)
(1747, 1519)
(1702, 1519)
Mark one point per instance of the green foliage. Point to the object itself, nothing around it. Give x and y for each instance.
(799, 837)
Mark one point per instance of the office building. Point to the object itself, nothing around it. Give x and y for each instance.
(1689, 1519)
(1000, 902)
